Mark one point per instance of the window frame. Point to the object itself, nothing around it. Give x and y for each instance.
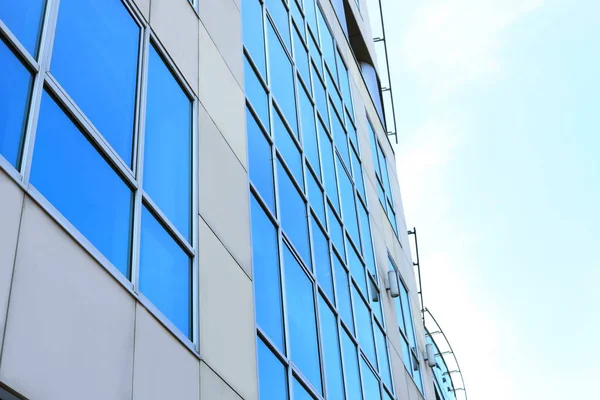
(132, 176)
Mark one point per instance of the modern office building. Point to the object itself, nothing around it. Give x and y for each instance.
(199, 200)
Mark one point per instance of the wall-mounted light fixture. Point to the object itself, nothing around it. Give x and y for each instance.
(392, 283)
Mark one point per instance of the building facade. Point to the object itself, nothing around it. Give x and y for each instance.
(198, 200)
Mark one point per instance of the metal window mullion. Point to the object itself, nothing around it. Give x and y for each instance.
(195, 235)
(139, 170)
(15, 44)
(44, 56)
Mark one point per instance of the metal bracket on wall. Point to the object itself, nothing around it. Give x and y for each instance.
(418, 265)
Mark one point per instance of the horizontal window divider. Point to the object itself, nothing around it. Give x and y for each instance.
(297, 373)
(168, 225)
(278, 110)
(263, 204)
(259, 122)
(252, 63)
(72, 231)
(17, 47)
(88, 129)
(148, 305)
(291, 175)
(262, 335)
(13, 173)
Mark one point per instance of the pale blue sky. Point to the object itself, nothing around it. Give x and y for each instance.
(498, 109)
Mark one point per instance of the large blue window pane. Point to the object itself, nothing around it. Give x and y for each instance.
(365, 233)
(351, 131)
(256, 93)
(254, 39)
(418, 379)
(405, 353)
(272, 379)
(364, 326)
(348, 204)
(309, 132)
(24, 19)
(331, 353)
(95, 60)
(300, 392)
(356, 269)
(408, 319)
(297, 16)
(370, 382)
(339, 137)
(260, 161)
(165, 273)
(301, 57)
(168, 145)
(342, 290)
(301, 319)
(311, 15)
(382, 357)
(374, 146)
(15, 86)
(351, 368)
(78, 181)
(327, 45)
(282, 78)
(322, 260)
(315, 55)
(320, 96)
(357, 173)
(335, 231)
(267, 286)
(336, 100)
(293, 213)
(315, 196)
(328, 167)
(279, 15)
(375, 305)
(288, 149)
(344, 81)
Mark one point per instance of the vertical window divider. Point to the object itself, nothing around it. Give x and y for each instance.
(44, 56)
(195, 235)
(139, 156)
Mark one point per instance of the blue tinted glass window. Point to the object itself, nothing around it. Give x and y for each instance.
(356, 269)
(311, 15)
(300, 392)
(328, 167)
(95, 60)
(301, 319)
(15, 86)
(344, 81)
(352, 132)
(382, 357)
(364, 326)
(76, 179)
(374, 146)
(256, 93)
(365, 232)
(406, 311)
(334, 94)
(165, 273)
(342, 291)
(279, 15)
(309, 132)
(320, 97)
(301, 57)
(339, 137)
(351, 368)
(327, 45)
(168, 145)
(24, 19)
(267, 287)
(260, 161)
(335, 231)
(254, 40)
(282, 78)
(370, 382)
(322, 261)
(405, 353)
(357, 172)
(272, 379)
(383, 168)
(297, 16)
(293, 213)
(375, 305)
(331, 352)
(287, 147)
(315, 196)
(313, 50)
(348, 205)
